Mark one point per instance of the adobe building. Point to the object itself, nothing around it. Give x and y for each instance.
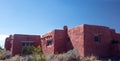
(15, 43)
(56, 41)
(95, 40)
(87, 39)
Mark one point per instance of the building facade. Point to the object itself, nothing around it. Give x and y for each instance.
(56, 41)
(95, 40)
(15, 43)
(87, 39)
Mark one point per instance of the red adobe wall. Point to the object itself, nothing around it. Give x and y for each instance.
(115, 48)
(102, 47)
(60, 42)
(17, 39)
(7, 43)
(82, 38)
(45, 48)
(76, 35)
(118, 38)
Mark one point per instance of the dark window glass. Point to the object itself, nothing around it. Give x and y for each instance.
(31, 44)
(27, 44)
(115, 41)
(49, 42)
(23, 44)
(96, 39)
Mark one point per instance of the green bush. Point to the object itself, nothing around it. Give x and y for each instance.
(39, 56)
(35, 51)
(27, 50)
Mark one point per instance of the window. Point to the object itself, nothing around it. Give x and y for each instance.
(31, 44)
(49, 42)
(96, 39)
(115, 41)
(27, 44)
(23, 44)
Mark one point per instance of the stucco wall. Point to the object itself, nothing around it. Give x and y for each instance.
(7, 43)
(59, 42)
(101, 48)
(16, 42)
(45, 48)
(76, 35)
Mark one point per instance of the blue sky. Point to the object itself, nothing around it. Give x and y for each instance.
(42, 16)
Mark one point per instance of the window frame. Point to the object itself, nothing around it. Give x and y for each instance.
(97, 38)
(25, 44)
(49, 42)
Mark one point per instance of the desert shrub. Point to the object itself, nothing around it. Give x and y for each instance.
(89, 58)
(21, 58)
(27, 50)
(15, 58)
(27, 58)
(71, 55)
(30, 53)
(49, 57)
(4, 54)
(37, 52)
(38, 58)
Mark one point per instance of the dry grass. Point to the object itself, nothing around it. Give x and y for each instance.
(71, 55)
(4, 54)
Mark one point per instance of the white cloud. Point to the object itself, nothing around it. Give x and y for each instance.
(2, 40)
(2, 37)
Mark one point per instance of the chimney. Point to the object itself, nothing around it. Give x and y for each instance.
(65, 28)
